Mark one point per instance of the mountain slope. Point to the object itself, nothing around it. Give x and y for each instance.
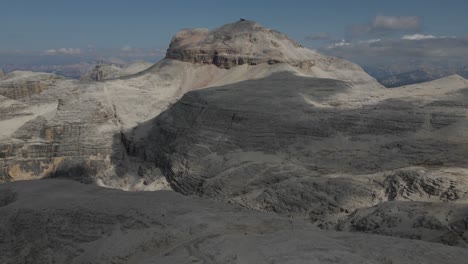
(291, 144)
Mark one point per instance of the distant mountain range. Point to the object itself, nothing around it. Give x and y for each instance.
(75, 70)
(421, 75)
(73, 66)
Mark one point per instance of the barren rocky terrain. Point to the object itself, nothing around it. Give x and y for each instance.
(283, 155)
(57, 221)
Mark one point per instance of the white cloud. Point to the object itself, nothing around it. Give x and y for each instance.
(339, 44)
(437, 51)
(63, 51)
(384, 25)
(50, 51)
(418, 37)
(421, 37)
(370, 41)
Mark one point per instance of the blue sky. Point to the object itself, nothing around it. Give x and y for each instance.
(37, 25)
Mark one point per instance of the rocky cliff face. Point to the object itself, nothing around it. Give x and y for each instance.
(51, 129)
(62, 145)
(24, 85)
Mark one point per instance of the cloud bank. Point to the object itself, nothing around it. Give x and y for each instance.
(64, 51)
(406, 54)
(385, 25)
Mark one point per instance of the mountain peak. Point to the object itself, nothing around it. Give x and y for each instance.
(240, 26)
(241, 42)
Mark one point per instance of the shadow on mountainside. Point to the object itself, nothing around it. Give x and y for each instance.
(242, 139)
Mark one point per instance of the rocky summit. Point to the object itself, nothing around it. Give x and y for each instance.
(244, 42)
(283, 155)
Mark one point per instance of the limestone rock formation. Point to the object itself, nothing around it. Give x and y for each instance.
(57, 221)
(24, 85)
(50, 129)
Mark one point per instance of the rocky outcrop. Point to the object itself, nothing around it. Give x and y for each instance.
(20, 90)
(433, 222)
(21, 85)
(60, 147)
(52, 130)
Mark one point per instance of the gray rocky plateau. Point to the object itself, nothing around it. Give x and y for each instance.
(58, 221)
(289, 145)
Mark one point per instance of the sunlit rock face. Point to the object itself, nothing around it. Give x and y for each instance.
(50, 129)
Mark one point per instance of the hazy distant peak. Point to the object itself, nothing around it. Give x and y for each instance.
(452, 81)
